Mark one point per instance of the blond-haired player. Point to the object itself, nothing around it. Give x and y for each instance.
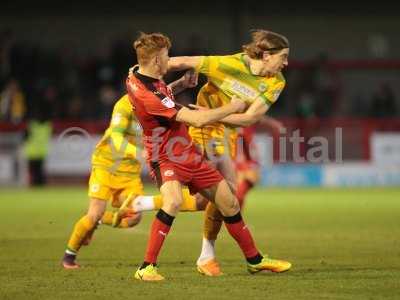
(253, 75)
(115, 177)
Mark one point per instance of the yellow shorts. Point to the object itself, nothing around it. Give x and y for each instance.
(107, 186)
(213, 140)
(233, 143)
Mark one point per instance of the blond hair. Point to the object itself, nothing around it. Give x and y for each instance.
(263, 40)
(148, 45)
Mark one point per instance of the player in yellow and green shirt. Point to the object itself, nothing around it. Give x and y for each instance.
(115, 177)
(253, 75)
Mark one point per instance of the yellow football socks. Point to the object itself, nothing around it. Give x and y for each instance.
(124, 223)
(189, 201)
(81, 229)
(107, 218)
(158, 202)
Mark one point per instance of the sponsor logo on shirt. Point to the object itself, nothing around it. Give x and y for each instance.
(169, 173)
(239, 89)
(95, 187)
(167, 102)
(242, 89)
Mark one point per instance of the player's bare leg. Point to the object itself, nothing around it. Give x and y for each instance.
(172, 196)
(229, 208)
(207, 263)
(84, 227)
(147, 203)
(139, 204)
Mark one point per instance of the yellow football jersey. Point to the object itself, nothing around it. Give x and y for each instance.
(228, 76)
(117, 152)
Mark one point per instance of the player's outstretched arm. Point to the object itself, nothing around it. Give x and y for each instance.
(180, 63)
(252, 115)
(200, 118)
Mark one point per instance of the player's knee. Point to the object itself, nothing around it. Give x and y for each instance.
(95, 216)
(234, 205)
(176, 204)
(96, 210)
(229, 207)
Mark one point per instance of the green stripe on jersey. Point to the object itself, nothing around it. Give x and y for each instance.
(240, 75)
(266, 100)
(118, 129)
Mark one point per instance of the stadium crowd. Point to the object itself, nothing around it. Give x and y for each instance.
(71, 86)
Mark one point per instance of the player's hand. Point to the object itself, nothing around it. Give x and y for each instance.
(239, 104)
(190, 79)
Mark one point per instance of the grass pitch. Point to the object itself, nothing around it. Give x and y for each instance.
(343, 243)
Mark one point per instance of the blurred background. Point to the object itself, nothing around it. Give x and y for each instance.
(64, 67)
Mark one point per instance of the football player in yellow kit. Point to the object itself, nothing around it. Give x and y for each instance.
(253, 75)
(115, 177)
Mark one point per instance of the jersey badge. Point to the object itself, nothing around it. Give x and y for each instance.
(262, 87)
(167, 102)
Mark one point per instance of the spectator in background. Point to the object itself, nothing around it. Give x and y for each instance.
(39, 130)
(12, 103)
(358, 107)
(75, 110)
(383, 102)
(107, 96)
(320, 84)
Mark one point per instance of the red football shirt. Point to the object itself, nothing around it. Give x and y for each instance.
(165, 139)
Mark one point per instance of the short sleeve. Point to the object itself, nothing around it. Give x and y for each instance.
(164, 107)
(208, 65)
(272, 94)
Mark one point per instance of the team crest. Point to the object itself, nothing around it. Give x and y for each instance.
(95, 187)
(167, 102)
(262, 87)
